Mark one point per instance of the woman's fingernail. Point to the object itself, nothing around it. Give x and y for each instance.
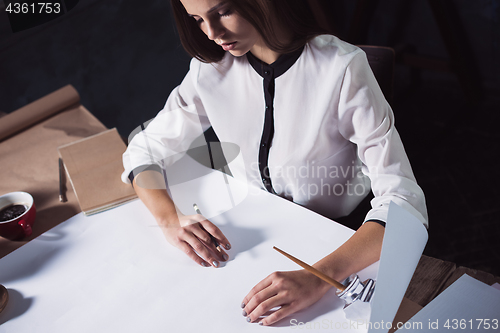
(248, 319)
(242, 305)
(225, 257)
(204, 264)
(244, 313)
(228, 247)
(216, 264)
(261, 323)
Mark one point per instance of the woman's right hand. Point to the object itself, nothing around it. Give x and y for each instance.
(191, 234)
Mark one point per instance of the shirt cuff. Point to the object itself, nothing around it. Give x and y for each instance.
(382, 223)
(138, 170)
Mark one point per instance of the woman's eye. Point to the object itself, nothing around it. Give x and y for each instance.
(197, 19)
(225, 13)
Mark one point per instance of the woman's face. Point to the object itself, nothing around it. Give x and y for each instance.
(223, 25)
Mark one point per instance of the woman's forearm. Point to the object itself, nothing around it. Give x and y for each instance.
(358, 252)
(150, 188)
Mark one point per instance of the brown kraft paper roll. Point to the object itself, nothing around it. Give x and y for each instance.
(37, 111)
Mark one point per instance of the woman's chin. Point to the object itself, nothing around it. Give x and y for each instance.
(237, 53)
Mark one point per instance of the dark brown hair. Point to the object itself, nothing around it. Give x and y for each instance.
(294, 15)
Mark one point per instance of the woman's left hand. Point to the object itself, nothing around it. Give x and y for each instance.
(293, 291)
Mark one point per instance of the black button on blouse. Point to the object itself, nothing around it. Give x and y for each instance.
(269, 73)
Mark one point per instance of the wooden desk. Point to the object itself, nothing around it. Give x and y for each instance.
(432, 276)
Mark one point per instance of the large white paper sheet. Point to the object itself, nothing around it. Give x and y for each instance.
(114, 272)
(404, 241)
(468, 305)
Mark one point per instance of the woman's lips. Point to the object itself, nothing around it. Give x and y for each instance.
(228, 46)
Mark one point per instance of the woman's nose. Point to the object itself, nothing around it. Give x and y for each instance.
(214, 30)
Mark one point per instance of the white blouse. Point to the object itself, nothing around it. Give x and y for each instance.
(334, 136)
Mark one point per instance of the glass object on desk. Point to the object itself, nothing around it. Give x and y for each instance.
(357, 296)
(356, 290)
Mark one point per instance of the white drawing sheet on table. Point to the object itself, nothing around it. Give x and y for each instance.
(468, 305)
(115, 272)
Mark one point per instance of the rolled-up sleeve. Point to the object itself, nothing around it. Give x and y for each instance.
(366, 119)
(167, 137)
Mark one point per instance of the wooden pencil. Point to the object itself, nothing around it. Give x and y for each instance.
(312, 270)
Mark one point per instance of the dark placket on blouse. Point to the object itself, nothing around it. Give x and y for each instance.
(269, 73)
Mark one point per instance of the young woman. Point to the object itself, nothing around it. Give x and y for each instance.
(265, 79)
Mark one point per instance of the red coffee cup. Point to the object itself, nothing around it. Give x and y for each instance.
(14, 223)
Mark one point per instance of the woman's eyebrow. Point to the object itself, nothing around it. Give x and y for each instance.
(217, 6)
(213, 9)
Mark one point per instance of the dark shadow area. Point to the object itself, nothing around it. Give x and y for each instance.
(17, 305)
(50, 217)
(242, 239)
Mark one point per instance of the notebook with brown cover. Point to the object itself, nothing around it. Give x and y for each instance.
(94, 166)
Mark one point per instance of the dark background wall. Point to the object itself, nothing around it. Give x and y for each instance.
(124, 58)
